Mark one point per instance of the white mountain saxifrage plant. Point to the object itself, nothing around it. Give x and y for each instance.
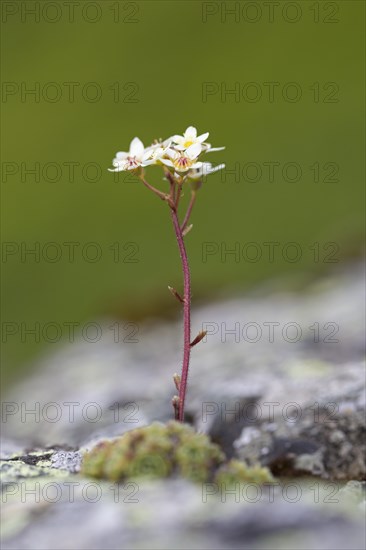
(181, 160)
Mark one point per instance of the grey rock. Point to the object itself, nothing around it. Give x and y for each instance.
(323, 441)
(66, 460)
(296, 406)
(162, 514)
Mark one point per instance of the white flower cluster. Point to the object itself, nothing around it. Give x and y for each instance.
(180, 154)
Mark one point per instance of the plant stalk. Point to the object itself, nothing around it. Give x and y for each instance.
(186, 314)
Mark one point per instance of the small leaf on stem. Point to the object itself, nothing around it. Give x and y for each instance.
(176, 379)
(198, 338)
(175, 293)
(187, 230)
(175, 403)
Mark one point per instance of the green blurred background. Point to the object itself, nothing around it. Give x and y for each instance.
(161, 54)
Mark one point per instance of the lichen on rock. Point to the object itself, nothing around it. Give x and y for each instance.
(236, 471)
(165, 450)
(155, 451)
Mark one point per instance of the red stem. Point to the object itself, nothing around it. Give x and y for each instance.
(186, 313)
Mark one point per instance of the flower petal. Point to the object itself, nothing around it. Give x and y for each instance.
(171, 153)
(212, 169)
(191, 132)
(136, 148)
(147, 154)
(168, 140)
(203, 137)
(213, 149)
(175, 139)
(194, 151)
(121, 155)
(118, 166)
(167, 162)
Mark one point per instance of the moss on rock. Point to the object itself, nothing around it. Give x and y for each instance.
(155, 451)
(236, 471)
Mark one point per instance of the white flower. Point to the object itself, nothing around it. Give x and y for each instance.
(178, 153)
(204, 170)
(182, 161)
(154, 154)
(188, 138)
(131, 160)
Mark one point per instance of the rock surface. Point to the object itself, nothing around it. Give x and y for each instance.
(279, 381)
